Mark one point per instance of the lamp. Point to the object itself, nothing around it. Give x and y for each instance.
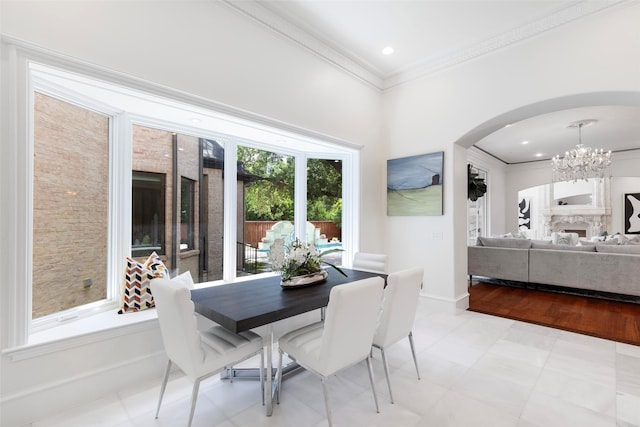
(581, 162)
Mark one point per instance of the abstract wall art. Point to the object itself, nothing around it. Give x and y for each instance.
(414, 185)
(632, 213)
(524, 214)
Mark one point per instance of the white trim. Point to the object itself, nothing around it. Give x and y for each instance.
(351, 207)
(117, 177)
(300, 197)
(348, 62)
(132, 326)
(452, 304)
(230, 214)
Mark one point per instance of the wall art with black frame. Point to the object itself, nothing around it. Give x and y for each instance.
(632, 213)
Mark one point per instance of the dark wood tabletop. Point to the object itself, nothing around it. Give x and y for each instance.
(245, 305)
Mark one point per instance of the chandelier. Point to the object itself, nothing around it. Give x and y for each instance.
(581, 162)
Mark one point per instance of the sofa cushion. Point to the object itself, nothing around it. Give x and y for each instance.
(619, 249)
(563, 247)
(499, 242)
(541, 242)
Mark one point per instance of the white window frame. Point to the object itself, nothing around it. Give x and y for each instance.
(16, 167)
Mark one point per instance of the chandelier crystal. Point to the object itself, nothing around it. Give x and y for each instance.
(581, 162)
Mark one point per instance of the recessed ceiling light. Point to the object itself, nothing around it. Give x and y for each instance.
(388, 50)
(525, 142)
(195, 120)
(538, 154)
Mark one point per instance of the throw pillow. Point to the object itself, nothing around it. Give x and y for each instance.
(136, 293)
(565, 238)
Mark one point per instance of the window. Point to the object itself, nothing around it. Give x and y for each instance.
(267, 195)
(187, 208)
(148, 211)
(96, 182)
(324, 205)
(168, 170)
(70, 205)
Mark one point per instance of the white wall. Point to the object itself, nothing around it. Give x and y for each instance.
(592, 61)
(520, 177)
(211, 51)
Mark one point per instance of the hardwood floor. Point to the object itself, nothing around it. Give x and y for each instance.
(613, 320)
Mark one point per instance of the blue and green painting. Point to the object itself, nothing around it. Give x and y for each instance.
(414, 185)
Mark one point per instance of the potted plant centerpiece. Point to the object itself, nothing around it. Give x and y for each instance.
(300, 264)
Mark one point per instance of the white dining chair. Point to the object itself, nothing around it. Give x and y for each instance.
(342, 340)
(374, 263)
(399, 306)
(199, 354)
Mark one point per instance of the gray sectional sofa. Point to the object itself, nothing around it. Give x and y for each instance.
(603, 268)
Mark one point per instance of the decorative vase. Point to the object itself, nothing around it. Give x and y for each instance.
(305, 280)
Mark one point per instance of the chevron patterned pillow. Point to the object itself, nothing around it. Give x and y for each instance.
(136, 293)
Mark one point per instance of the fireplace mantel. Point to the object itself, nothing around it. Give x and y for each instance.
(592, 218)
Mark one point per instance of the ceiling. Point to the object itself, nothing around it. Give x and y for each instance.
(617, 129)
(430, 35)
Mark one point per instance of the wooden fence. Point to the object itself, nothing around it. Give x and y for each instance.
(254, 231)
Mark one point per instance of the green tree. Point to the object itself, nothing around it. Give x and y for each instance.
(270, 193)
(324, 190)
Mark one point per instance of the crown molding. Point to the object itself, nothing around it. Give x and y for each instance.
(352, 65)
(563, 16)
(266, 17)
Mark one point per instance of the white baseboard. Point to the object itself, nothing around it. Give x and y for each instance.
(45, 400)
(446, 305)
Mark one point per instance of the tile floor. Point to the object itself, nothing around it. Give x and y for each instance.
(477, 370)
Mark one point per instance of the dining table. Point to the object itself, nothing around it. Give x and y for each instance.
(261, 302)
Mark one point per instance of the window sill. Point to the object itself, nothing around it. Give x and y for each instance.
(90, 329)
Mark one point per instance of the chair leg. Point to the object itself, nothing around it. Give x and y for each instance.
(373, 388)
(194, 398)
(279, 377)
(386, 372)
(163, 386)
(413, 352)
(262, 374)
(325, 391)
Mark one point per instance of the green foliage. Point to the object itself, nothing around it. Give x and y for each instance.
(270, 195)
(324, 190)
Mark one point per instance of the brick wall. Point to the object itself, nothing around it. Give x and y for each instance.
(70, 191)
